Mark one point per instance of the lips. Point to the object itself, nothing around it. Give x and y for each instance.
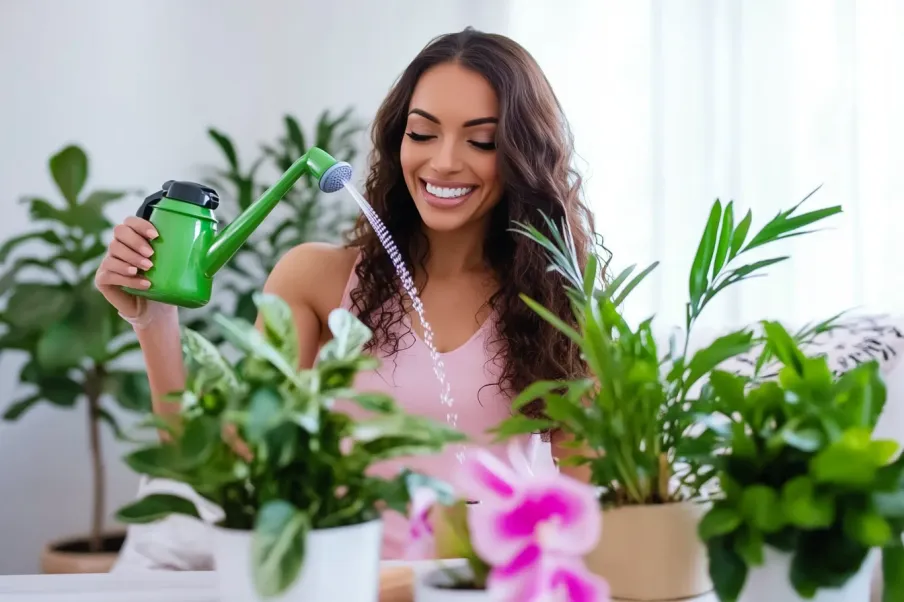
(446, 194)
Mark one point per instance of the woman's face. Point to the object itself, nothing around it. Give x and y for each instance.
(448, 152)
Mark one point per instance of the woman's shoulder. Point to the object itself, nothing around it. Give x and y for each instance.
(313, 273)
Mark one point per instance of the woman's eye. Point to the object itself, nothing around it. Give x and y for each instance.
(419, 137)
(484, 145)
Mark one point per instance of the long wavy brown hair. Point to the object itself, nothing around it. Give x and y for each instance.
(534, 150)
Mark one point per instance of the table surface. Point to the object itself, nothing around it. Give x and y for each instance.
(149, 586)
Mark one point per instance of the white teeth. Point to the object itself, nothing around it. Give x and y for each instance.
(448, 193)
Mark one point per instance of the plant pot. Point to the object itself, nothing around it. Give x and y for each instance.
(71, 555)
(772, 581)
(653, 552)
(433, 585)
(342, 563)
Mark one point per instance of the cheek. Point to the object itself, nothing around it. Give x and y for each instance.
(411, 157)
(487, 170)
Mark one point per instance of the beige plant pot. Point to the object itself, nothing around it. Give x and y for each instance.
(653, 553)
(72, 555)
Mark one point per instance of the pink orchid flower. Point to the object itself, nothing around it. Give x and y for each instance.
(534, 576)
(421, 541)
(518, 509)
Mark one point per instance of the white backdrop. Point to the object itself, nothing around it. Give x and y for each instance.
(676, 102)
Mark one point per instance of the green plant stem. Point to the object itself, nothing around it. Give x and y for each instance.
(93, 381)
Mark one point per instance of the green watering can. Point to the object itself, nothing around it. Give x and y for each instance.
(189, 251)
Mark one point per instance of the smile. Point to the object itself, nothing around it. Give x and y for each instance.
(446, 196)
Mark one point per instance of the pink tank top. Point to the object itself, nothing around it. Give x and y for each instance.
(409, 378)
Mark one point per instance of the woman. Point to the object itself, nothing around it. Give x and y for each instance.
(470, 139)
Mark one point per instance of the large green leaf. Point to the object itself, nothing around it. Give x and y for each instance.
(278, 546)
(11, 244)
(69, 168)
(34, 305)
(17, 408)
(130, 390)
(155, 507)
(279, 325)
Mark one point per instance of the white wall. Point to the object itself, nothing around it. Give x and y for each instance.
(103, 74)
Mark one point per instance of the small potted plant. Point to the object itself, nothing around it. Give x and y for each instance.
(523, 541)
(300, 511)
(810, 501)
(630, 416)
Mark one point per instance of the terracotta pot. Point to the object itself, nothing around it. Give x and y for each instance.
(653, 552)
(72, 556)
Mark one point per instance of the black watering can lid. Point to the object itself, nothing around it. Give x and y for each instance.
(191, 192)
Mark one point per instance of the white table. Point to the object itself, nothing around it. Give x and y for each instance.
(150, 586)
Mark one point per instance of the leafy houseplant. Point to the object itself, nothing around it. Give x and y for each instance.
(71, 337)
(807, 491)
(306, 214)
(300, 482)
(632, 415)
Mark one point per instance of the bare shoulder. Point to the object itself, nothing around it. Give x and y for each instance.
(313, 274)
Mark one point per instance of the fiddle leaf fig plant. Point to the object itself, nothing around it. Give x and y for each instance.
(635, 409)
(803, 475)
(298, 475)
(70, 337)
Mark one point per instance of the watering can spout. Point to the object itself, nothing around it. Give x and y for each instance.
(331, 174)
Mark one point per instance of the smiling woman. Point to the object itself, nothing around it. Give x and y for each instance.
(470, 140)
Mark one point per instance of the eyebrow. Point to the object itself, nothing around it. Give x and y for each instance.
(467, 124)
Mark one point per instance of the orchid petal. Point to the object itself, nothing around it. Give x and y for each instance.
(519, 580)
(570, 580)
(421, 541)
(495, 550)
(487, 478)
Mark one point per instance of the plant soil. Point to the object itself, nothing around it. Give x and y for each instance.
(81, 545)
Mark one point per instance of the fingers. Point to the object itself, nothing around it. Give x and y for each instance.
(230, 435)
(141, 226)
(106, 277)
(123, 252)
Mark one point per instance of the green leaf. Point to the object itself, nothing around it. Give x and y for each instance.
(278, 547)
(34, 305)
(804, 507)
(724, 239)
(349, 336)
(554, 320)
(520, 424)
(105, 416)
(279, 325)
(249, 339)
(265, 412)
(69, 168)
(59, 346)
(723, 348)
(225, 144)
(155, 507)
(536, 390)
(727, 568)
(11, 244)
(761, 507)
(17, 408)
(131, 390)
(97, 200)
(893, 573)
(375, 401)
(623, 294)
(704, 256)
(720, 520)
(740, 234)
(60, 390)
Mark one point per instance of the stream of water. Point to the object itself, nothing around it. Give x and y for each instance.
(445, 396)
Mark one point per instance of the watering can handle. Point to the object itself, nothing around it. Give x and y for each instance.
(144, 212)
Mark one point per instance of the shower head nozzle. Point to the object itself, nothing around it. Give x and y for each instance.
(337, 176)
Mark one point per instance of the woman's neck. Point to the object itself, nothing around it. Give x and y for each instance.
(457, 252)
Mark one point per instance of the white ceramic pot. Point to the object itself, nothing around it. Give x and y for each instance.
(653, 552)
(772, 581)
(339, 564)
(432, 586)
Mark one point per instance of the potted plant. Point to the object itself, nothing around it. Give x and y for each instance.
(523, 541)
(631, 416)
(810, 502)
(70, 337)
(300, 511)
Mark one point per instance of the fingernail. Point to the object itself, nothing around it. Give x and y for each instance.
(146, 264)
(147, 251)
(146, 283)
(133, 269)
(152, 234)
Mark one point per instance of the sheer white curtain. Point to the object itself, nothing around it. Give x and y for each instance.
(674, 103)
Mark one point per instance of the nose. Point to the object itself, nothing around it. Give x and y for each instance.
(447, 159)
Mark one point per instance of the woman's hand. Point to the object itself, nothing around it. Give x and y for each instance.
(128, 254)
